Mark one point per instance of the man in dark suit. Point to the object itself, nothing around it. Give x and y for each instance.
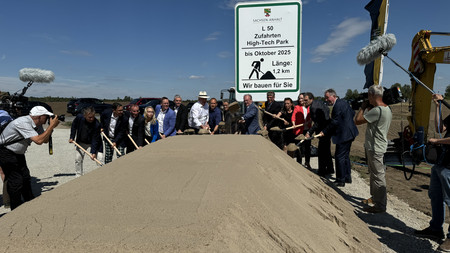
(250, 117)
(181, 111)
(320, 115)
(166, 119)
(136, 128)
(343, 132)
(113, 125)
(272, 107)
(86, 131)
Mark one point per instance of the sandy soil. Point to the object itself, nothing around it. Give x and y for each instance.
(414, 192)
(251, 198)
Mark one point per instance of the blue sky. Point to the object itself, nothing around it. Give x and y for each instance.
(137, 48)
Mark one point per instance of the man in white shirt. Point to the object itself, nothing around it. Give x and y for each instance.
(166, 119)
(199, 114)
(14, 142)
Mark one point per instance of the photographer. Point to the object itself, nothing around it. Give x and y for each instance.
(14, 142)
(439, 191)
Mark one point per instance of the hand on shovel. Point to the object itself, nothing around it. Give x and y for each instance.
(306, 137)
(285, 129)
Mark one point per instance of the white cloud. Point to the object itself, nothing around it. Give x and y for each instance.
(213, 36)
(3, 57)
(51, 38)
(341, 36)
(76, 52)
(196, 77)
(224, 54)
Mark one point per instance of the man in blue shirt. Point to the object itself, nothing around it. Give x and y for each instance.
(215, 116)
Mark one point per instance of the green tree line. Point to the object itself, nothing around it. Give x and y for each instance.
(405, 90)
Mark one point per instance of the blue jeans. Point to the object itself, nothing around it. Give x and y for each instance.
(439, 194)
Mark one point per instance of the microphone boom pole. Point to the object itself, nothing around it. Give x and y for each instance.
(380, 46)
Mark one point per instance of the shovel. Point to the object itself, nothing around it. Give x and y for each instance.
(134, 143)
(271, 114)
(302, 138)
(84, 150)
(277, 129)
(110, 142)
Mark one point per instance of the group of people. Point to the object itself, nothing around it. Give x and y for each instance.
(311, 118)
(127, 131)
(122, 132)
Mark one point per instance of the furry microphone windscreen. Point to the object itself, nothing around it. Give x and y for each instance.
(376, 48)
(36, 75)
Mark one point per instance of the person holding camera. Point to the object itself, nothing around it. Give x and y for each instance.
(86, 129)
(378, 117)
(14, 141)
(439, 191)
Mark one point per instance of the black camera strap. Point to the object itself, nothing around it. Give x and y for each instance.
(11, 142)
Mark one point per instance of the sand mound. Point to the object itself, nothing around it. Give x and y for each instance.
(191, 194)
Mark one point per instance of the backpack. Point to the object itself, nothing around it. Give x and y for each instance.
(5, 119)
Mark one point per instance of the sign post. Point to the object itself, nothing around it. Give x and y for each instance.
(268, 49)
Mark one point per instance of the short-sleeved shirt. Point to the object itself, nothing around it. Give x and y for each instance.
(20, 128)
(379, 120)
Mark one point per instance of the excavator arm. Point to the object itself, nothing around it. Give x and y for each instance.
(423, 66)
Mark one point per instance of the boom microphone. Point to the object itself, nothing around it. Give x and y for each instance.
(377, 47)
(31, 75)
(380, 46)
(36, 75)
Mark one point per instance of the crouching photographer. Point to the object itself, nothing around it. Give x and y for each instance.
(14, 141)
(439, 191)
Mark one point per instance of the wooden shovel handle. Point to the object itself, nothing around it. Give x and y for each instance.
(84, 150)
(110, 142)
(134, 143)
(292, 127)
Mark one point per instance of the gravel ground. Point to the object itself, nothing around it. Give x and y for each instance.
(394, 228)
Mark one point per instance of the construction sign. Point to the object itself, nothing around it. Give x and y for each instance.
(268, 49)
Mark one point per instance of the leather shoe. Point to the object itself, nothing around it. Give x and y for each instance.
(339, 184)
(348, 181)
(374, 209)
(430, 234)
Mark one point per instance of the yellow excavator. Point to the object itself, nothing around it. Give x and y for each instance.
(423, 66)
(409, 149)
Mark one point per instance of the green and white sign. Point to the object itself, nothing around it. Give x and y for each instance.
(268, 49)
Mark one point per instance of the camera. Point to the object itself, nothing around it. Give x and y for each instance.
(390, 96)
(61, 117)
(13, 104)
